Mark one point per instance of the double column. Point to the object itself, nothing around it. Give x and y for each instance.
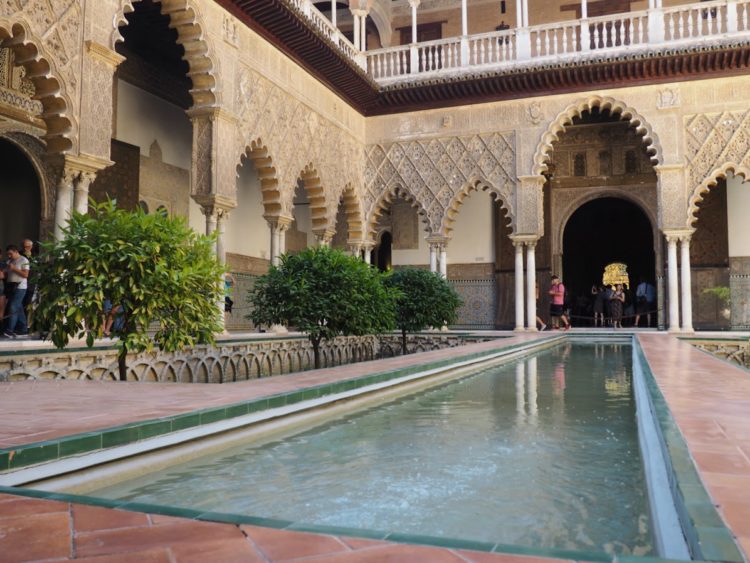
(76, 176)
(438, 254)
(360, 28)
(278, 225)
(680, 292)
(529, 244)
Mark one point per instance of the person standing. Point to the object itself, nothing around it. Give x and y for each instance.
(557, 304)
(645, 296)
(599, 295)
(539, 320)
(616, 304)
(16, 276)
(27, 250)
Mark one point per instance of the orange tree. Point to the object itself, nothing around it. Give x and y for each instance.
(324, 293)
(424, 299)
(160, 273)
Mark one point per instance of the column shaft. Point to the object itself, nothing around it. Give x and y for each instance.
(443, 262)
(63, 204)
(433, 258)
(525, 13)
(584, 9)
(464, 18)
(686, 289)
(519, 285)
(673, 293)
(531, 286)
(333, 12)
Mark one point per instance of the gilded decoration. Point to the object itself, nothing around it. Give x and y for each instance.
(435, 172)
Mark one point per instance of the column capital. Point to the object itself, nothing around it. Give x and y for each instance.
(529, 240)
(211, 113)
(438, 240)
(678, 234)
(415, 3)
(324, 236)
(536, 180)
(215, 204)
(280, 222)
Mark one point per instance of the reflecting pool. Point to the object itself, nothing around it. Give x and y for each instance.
(542, 452)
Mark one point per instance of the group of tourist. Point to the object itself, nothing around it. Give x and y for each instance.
(17, 292)
(609, 305)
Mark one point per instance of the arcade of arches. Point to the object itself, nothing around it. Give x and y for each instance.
(497, 196)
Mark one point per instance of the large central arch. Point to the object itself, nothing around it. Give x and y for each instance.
(565, 118)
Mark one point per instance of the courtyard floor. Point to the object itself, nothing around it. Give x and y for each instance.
(709, 399)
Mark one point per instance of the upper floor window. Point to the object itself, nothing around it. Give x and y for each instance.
(579, 164)
(631, 162)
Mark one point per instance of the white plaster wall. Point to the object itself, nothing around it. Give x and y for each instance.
(738, 210)
(143, 118)
(304, 221)
(419, 256)
(473, 241)
(247, 232)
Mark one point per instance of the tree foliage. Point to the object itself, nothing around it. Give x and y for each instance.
(156, 268)
(425, 300)
(324, 293)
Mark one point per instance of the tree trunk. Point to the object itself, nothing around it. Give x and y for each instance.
(122, 365)
(403, 342)
(316, 352)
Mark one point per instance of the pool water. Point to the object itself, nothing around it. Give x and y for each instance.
(542, 452)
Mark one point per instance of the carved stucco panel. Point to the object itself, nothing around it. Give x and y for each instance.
(297, 138)
(96, 122)
(672, 197)
(439, 172)
(714, 144)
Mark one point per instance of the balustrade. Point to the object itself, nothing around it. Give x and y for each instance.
(561, 40)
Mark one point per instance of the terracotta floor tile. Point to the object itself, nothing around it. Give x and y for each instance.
(32, 537)
(715, 462)
(20, 506)
(280, 545)
(361, 543)
(156, 555)
(737, 515)
(238, 550)
(90, 518)
(129, 539)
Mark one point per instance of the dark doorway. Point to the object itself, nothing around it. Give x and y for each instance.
(19, 190)
(381, 256)
(601, 232)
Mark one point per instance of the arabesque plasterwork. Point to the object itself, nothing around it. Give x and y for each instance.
(435, 171)
(299, 142)
(716, 143)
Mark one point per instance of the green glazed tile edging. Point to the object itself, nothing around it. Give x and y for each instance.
(412, 539)
(707, 536)
(76, 444)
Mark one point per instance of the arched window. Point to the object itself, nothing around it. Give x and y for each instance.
(605, 163)
(579, 164)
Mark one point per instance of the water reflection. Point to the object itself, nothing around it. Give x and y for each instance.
(543, 452)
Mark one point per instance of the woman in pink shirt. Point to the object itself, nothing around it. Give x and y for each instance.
(557, 304)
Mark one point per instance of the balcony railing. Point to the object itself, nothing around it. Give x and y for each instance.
(612, 35)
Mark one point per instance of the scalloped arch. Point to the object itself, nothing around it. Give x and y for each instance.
(316, 195)
(185, 18)
(355, 213)
(29, 53)
(385, 199)
(709, 182)
(565, 118)
(474, 184)
(257, 152)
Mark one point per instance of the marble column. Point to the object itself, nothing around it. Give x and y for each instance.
(221, 220)
(531, 286)
(64, 201)
(672, 284)
(525, 13)
(367, 252)
(414, 5)
(363, 31)
(211, 222)
(444, 261)
(355, 32)
(334, 11)
(464, 19)
(686, 289)
(519, 13)
(519, 285)
(433, 257)
(81, 192)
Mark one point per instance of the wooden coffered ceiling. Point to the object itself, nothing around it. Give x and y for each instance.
(280, 25)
